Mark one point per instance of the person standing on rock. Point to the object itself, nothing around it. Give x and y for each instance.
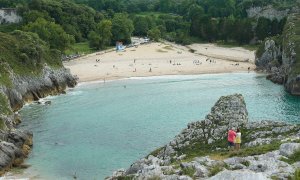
(238, 139)
(231, 138)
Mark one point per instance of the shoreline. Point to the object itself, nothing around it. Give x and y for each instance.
(158, 59)
(160, 76)
(110, 79)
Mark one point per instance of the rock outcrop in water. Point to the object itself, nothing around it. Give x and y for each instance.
(280, 56)
(200, 151)
(15, 144)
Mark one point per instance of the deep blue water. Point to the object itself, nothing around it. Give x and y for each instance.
(97, 128)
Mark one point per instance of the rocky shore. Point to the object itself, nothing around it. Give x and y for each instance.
(15, 144)
(269, 149)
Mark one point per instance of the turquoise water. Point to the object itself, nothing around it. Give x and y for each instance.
(97, 128)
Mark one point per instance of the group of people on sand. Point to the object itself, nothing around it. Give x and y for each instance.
(234, 139)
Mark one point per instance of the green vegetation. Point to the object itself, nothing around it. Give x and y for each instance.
(246, 163)
(50, 32)
(103, 22)
(188, 171)
(122, 28)
(296, 175)
(155, 152)
(256, 150)
(24, 53)
(101, 37)
(4, 108)
(79, 48)
(199, 148)
(293, 158)
(215, 170)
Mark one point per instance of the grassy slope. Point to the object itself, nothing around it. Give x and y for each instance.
(26, 54)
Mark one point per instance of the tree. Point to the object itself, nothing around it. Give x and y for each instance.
(122, 28)
(154, 34)
(141, 26)
(51, 33)
(263, 28)
(101, 38)
(243, 31)
(94, 40)
(104, 30)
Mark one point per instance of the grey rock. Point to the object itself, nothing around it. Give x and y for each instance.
(267, 12)
(238, 174)
(296, 165)
(8, 153)
(287, 149)
(135, 167)
(185, 178)
(201, 171)
(18, 137)
(119, 172)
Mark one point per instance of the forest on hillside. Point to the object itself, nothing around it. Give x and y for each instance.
(61, 23)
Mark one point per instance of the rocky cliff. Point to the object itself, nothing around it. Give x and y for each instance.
(280, 56)
(269, 149)
(15, 144)
(29, 70)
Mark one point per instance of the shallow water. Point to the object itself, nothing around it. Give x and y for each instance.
(97, 128)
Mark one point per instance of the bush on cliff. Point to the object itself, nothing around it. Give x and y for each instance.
(24, 53)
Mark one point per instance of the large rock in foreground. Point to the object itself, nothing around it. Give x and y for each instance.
(200, 151)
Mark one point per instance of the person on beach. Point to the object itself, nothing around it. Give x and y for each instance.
(231, 137)
(238, 139)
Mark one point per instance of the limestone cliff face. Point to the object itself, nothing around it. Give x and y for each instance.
(27, 89)
(9, 15)
(282, 59)
(15, 144)
(268, 12)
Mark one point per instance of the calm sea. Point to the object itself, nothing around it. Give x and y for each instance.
(96, 128)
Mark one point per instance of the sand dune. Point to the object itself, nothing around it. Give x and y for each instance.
(156, 59)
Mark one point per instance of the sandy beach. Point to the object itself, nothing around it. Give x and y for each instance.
(155, 59)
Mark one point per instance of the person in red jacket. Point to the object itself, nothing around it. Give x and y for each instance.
(231, 138)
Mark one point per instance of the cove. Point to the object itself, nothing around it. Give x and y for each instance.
(97, 128)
